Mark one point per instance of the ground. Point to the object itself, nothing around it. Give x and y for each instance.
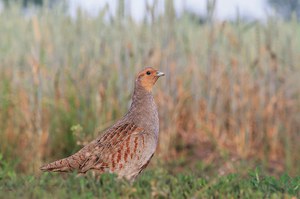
(157, 183)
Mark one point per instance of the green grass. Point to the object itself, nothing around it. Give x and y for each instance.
(156, 183)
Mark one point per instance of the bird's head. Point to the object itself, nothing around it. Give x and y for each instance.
(147, 77)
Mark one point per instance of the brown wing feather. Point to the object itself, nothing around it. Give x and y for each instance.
(109, 146)
(70, 163)
(96, 155)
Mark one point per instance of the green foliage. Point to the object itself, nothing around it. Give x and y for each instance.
(151, 184)
(6, 170)
(269, 184)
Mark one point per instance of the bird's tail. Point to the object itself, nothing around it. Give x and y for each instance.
(63, 165)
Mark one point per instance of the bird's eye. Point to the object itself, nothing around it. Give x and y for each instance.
(148, 73)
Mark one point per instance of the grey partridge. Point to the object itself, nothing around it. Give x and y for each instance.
(127, 147)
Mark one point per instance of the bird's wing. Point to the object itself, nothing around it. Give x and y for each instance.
(118, 143)
(101, 153)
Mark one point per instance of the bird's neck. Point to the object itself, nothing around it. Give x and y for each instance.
(143, 110)
(141, 96)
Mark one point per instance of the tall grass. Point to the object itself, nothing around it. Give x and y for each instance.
(231, 90)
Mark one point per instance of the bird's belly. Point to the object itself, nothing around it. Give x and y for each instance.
(136, 162)
(131, 171)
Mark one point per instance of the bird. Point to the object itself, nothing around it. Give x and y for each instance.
(126, 147)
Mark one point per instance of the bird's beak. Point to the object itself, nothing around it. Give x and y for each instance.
(159, 74)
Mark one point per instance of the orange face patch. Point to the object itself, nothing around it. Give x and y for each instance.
(147, 78)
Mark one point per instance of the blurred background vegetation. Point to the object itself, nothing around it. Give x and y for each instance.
(230, 99)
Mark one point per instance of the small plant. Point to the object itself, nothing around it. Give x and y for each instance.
(6, 170)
